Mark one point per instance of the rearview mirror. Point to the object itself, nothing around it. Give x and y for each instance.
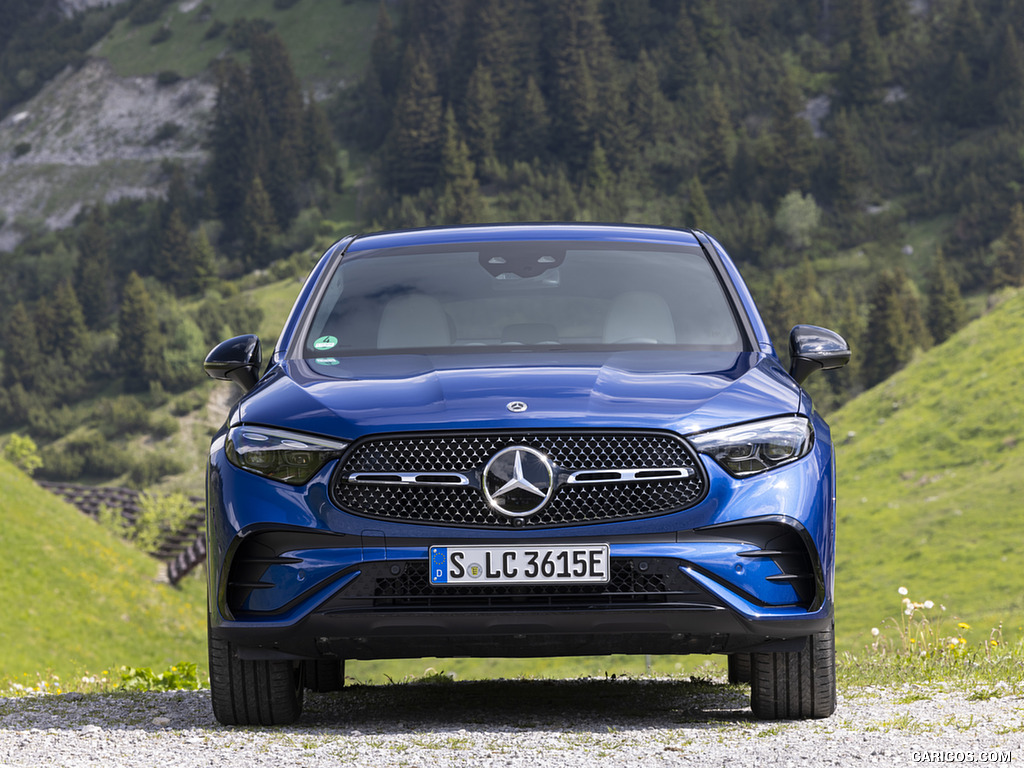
(812, 348)
(236, 360)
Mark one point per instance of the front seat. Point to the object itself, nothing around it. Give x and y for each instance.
(639, 317)
(413, 321)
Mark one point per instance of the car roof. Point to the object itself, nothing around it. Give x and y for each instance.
(513, 232)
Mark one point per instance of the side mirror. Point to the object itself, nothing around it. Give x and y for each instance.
(812, 348)
(236, 360)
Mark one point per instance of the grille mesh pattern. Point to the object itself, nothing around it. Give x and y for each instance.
(412, 589)
(467, 454)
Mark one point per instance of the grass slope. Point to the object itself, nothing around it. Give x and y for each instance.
(76, 598)
(329, 41)
(931, 479)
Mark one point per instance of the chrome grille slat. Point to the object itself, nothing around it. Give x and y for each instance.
(613, 472)
(629, 475)
(409, 478)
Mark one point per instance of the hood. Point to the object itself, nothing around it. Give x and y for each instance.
(677, 390)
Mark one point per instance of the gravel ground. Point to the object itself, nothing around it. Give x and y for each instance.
(517, 723)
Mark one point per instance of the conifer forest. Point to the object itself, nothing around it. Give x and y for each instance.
(861, 160)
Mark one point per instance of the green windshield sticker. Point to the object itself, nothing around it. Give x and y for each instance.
(325, 342)
(326, 361)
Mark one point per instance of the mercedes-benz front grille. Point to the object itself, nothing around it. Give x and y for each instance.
(596, 477)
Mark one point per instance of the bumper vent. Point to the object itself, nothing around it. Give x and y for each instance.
(660, 583)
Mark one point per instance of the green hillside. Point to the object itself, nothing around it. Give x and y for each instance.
(329, 41)
(931, 476)
(76, 598)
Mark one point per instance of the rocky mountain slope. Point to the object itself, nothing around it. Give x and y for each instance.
(91, 135)
(71, 7)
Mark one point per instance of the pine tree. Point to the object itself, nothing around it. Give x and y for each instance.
(720, 142)
(1007, 86)
(492, 23)
(438, 25)
(279, 92)
(64, 343)
(282, 183)
(888, 345)
(259, 227)
(967, 36)
(910, 301)
(867, 68)
(277, 87)
(92, 276)
(686, 59)
(962, 93)
(376, 93)
(575, 107)
(946, 310)
(779, 310)
(849, 322)
(797, 155)
(373, 122)
(1008, 268)
(584, 29)
(413, 149)
(844, 164)
(318, 143)
(531, 129)
(384, 58)
(138, 336)
(198, 270)
(893, 16)
(461, 201)
(811, 303)
(598, 175)
(896, 327)
(698, 211)
(483, 121)
(173, 254)
(711, 30)
(23, 360)
(239, 143)
(634, 23)
(648, 108)
(178, 196)
(67, 335)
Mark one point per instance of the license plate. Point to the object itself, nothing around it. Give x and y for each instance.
(582, 563)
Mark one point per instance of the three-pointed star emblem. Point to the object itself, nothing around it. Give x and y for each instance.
(518, 481)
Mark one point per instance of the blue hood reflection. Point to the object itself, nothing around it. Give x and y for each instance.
(684, 391)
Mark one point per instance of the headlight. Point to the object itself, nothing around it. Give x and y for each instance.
(286, 456)
(748, 449)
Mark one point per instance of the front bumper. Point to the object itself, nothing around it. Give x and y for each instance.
(749, 568)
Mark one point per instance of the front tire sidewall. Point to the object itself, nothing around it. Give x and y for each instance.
(797, 685)
(257, 692)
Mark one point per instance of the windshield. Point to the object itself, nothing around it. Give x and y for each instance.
(522, 294)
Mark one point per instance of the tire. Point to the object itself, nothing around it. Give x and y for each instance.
(324, 675)
(253, 692)
(795, 686)
(739, 668)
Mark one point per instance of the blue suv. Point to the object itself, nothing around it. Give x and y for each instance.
(521, 440)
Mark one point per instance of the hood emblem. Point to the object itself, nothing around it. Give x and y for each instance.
(517, 406)
(518, 481)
